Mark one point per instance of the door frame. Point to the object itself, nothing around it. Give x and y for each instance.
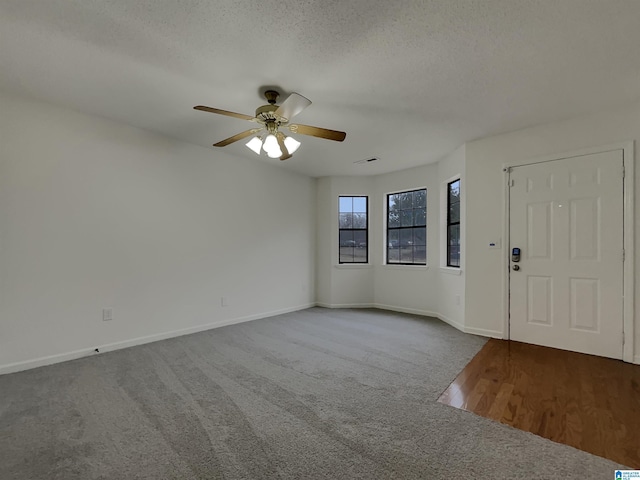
(628, 266)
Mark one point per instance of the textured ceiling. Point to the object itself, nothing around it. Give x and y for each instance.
(408, 81)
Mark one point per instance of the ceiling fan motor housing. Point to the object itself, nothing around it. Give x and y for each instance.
(266, 113)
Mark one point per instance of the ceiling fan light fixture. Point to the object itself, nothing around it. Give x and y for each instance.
(255, 144)
(270, 143)
(275, 152)
(292, 144)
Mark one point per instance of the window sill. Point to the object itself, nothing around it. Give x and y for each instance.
(451, 270)
(353, 265)
(393, 266)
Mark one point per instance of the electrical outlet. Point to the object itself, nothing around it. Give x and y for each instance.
(107, 314)
(224, 301)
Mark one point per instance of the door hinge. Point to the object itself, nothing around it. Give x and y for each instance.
(624, 171)
(623, 254)
(512, 182)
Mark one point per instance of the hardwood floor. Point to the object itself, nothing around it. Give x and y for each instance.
(591, 403)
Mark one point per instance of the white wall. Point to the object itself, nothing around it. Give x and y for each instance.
(324, 249)
(96, 214)
(451, 281)
(484, 189)
(341, 285)
(401, 287)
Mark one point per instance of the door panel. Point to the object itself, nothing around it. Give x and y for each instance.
(539, 230)
(539, 303)
(566, 216)
(585, 228)
(585, 304)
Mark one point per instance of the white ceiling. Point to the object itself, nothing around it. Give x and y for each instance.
(408, 81)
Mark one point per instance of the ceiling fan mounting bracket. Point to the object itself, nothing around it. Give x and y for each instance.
(271, 96)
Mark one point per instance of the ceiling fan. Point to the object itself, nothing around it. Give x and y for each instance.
(271, 118)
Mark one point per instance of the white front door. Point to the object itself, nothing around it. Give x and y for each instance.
(566, 216)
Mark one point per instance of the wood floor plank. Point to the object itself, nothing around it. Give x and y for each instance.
(591, 403)
(502, 398)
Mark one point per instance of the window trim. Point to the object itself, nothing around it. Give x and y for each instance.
(449, 223)
(341, 264)
(386, 262)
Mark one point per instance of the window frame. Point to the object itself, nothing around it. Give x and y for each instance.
(387, 229)
(366, 230)
(449, 223)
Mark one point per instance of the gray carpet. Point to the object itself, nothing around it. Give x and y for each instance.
(316, 394)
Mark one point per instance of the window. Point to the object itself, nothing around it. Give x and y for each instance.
(407, 228)
(354, 230)
(453, 223)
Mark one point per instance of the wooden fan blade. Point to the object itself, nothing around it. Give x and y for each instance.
(241, 116)
(292, 106)
(285, 151)
(318, 132)
(235, 138)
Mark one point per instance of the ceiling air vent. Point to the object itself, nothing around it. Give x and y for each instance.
(366, 160)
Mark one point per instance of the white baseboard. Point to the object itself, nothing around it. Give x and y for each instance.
(85, 352)
(471, 330)
(483, 332)
(636, 359)
(413, 311)
(344, 305)
(451, 322)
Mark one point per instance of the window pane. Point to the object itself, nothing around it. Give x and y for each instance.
(453, 258)
(420, 236)
(420, 254)
(406, 200)
(406, 218)
(454, 234)
(346, 204)
(406, 255)
(360, 238)
(393, 239)
(360, 204)
(346, 255)
(406, 237)
(420, 216)
(394, 219)
(454, 192)
(393, 255)
(346, 238)
(359, 220)
(346, 220)
(394, 202)
(420, 198)
(454, 213)
(360, 255)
